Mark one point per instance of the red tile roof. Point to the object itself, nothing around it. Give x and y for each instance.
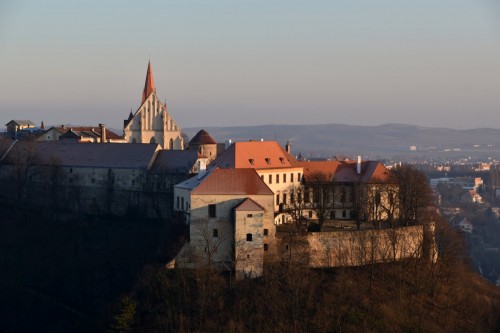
(149, 85)
(87, 131)
(228, 181)
(249, 206)
(255, 155)
(371, 171)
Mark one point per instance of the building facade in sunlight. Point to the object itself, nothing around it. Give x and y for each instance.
(152, 123)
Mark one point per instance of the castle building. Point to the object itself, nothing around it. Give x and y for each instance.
(152, 123)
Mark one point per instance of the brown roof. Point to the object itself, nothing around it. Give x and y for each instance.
(249, 206)
(202, 138)
(86, 131)
(346, 171)
(255, 155)
(227, 181)
(149, 85)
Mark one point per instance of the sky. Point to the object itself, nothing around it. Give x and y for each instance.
(236, 63)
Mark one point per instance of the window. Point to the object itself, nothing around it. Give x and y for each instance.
(93, 180)
(270, 179)
(282, 160)
(211, 211)
(266, 247)
(299, 176)
(277, 199)
(268, 161)
(291, 177)
(292, 197)
(310, 214)
(306, 195)
(332, 215)
(284, 198)
(182, 203)
(344, 214)
(249, 215)
(262, 177)
(215, 233)
(249, 237)
(266, 232)
(284, 178)
(70, 170)
(178, 203)
(251, 161)
(277, 179)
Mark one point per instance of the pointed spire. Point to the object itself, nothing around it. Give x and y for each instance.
(149, 86)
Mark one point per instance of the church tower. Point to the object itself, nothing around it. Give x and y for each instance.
(152, 123)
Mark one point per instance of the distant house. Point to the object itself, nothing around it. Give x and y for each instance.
(20, 129)
(81, 134)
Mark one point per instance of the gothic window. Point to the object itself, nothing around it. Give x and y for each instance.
(153, 140)
(134, 140)
(171, 144)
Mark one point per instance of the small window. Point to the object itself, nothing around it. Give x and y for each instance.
(268, 161)
(270, 179)
(266, 247)
(277, 199)
(344, 213)
(215, 233)
(299, 176)
(251, 161)
(178, 202)
(266, 232)
(284, 178)
(249, 237)
(282, 160)
(249, 215)
(332, 215)
(277, 179)
(211, 211)
(70, 170)
(291, 177)
(93, 180)
(182, 203)
(310, 214)
(284, 198)
(262, 177)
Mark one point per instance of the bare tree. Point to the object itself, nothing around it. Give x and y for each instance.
(211, 238)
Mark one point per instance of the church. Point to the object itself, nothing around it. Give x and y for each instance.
(152, 123)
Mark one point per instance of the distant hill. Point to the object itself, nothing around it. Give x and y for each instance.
(376, 141)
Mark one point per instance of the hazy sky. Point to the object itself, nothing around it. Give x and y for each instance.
(428, 62)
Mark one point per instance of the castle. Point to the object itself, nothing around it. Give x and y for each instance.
(233, 197)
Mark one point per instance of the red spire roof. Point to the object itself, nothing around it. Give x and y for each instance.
(149, 86)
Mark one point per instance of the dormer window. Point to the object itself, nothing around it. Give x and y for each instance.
(251, 161)
(282, 160)
(268, 161)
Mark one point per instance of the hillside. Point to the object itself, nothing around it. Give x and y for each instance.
(383, 141)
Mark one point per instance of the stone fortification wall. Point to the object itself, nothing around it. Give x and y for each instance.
(362, 247)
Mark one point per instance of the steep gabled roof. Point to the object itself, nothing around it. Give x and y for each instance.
(85, 132)
(227, 181)
(249, 206)
(346, 171)
(202, 138)
(255, 155)
(175, 161)
(149, 85)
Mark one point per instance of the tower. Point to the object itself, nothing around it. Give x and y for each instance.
(152, 123)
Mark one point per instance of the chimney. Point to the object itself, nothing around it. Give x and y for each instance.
(103, 133)
(202, 169)
(42, 126)
(358, 165)
(228, 143)
(288, 147)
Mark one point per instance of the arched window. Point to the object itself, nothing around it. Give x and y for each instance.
(171, 144)
(134, 140)
(153, 140)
